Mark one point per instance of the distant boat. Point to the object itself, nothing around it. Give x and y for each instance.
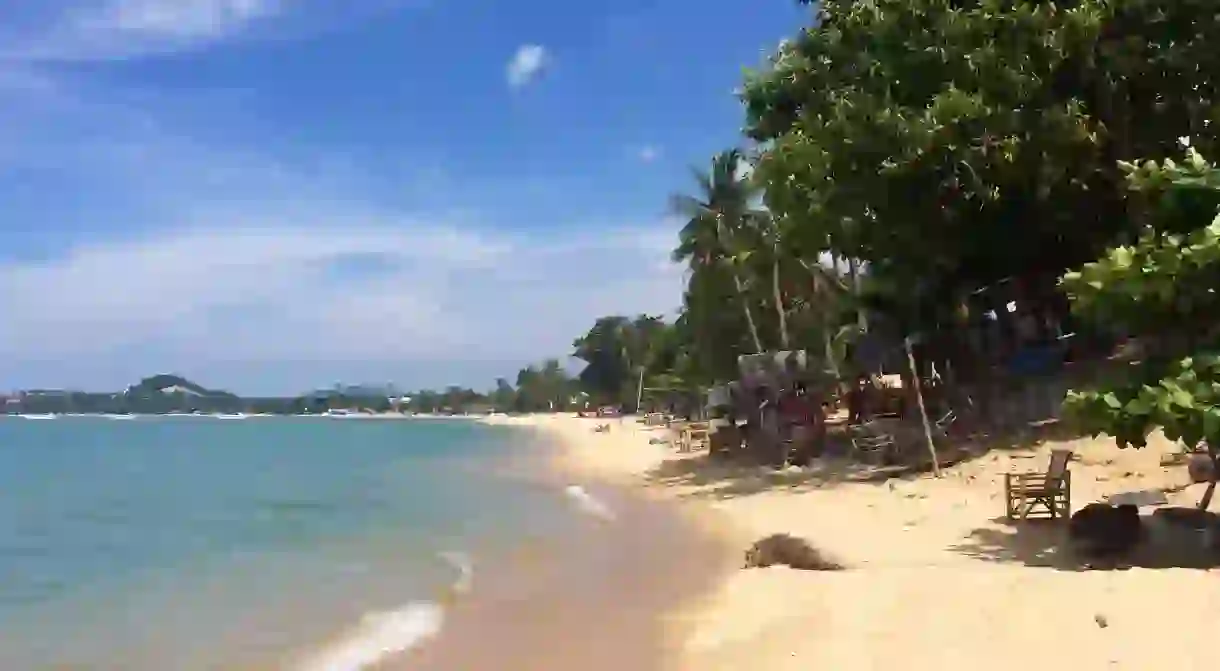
(126, 416)
(232, 416)
(39, 416)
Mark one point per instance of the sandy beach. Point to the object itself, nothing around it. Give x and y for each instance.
(936, 578)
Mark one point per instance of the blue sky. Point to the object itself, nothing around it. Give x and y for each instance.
(272, 195)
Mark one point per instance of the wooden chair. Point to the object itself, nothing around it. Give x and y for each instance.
(1051, 492)
(696, 436)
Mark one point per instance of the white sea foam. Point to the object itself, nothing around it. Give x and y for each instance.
(465, 568)
(587, 504)
(382, 635)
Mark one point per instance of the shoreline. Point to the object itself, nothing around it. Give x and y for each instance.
(598, 596)
(935, 579)
(621, 459)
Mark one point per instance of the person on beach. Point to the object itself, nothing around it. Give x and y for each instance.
(858, 400)
(805, 419)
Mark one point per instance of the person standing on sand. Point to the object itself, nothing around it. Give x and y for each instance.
(805, 420)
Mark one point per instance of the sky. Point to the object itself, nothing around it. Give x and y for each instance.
(270, 196)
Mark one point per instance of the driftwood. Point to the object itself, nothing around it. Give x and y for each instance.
(788, 550)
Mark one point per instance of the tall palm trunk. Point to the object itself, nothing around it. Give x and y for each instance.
(777, 295)
(741, 292)
(745, 307)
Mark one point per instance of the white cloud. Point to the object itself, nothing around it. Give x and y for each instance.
(114, 29)
(375, 288)
(649, 153)
(526, 64)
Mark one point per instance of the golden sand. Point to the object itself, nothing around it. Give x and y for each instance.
(936, 579)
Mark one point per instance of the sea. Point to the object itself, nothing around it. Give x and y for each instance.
(320, 544)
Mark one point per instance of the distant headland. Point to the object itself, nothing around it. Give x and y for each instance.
(174, 394)
(169, 393)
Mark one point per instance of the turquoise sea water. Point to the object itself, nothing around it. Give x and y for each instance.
(197, 543)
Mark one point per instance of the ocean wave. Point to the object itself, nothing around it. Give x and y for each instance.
(587, 504)
(465, 568)
(382, 635)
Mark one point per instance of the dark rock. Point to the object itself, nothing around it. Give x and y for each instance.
(1201, 468)
(788, 550)
(1103, 531)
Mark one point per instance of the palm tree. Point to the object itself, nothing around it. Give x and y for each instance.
(806, 242)
(716, 219)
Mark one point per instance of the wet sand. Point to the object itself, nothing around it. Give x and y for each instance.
(603, 597)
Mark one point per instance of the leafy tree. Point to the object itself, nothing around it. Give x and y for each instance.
(604, 350)
(1162, 291)
(504, 397)
(952, 144)
(425, 401)
(617, 350)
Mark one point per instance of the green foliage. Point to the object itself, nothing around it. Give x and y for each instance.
(1161, 290)
(617, 349)
(952, 144)
(1180, 397)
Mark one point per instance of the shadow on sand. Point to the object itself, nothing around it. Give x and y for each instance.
(1044, 544)
(733, 476)
(726, 479)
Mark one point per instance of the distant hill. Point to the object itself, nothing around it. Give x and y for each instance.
(170, 384)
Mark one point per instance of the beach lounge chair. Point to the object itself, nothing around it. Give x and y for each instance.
(1048, 493)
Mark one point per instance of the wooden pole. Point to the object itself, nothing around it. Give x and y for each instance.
(923, 412)
(639, 391)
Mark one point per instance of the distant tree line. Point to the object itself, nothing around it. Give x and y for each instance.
(538, 388)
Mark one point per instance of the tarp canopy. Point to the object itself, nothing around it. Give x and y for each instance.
(769, 364)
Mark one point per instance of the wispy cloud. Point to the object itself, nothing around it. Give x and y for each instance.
(337, 288)
(241, 259)
(94, 30)
(527, 63)
(174, 19)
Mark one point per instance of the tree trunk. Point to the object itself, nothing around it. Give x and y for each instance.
(923, 411)
(745, 307)
(1214, 453)
(779, 298)
(827, 338)
(853, 271)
